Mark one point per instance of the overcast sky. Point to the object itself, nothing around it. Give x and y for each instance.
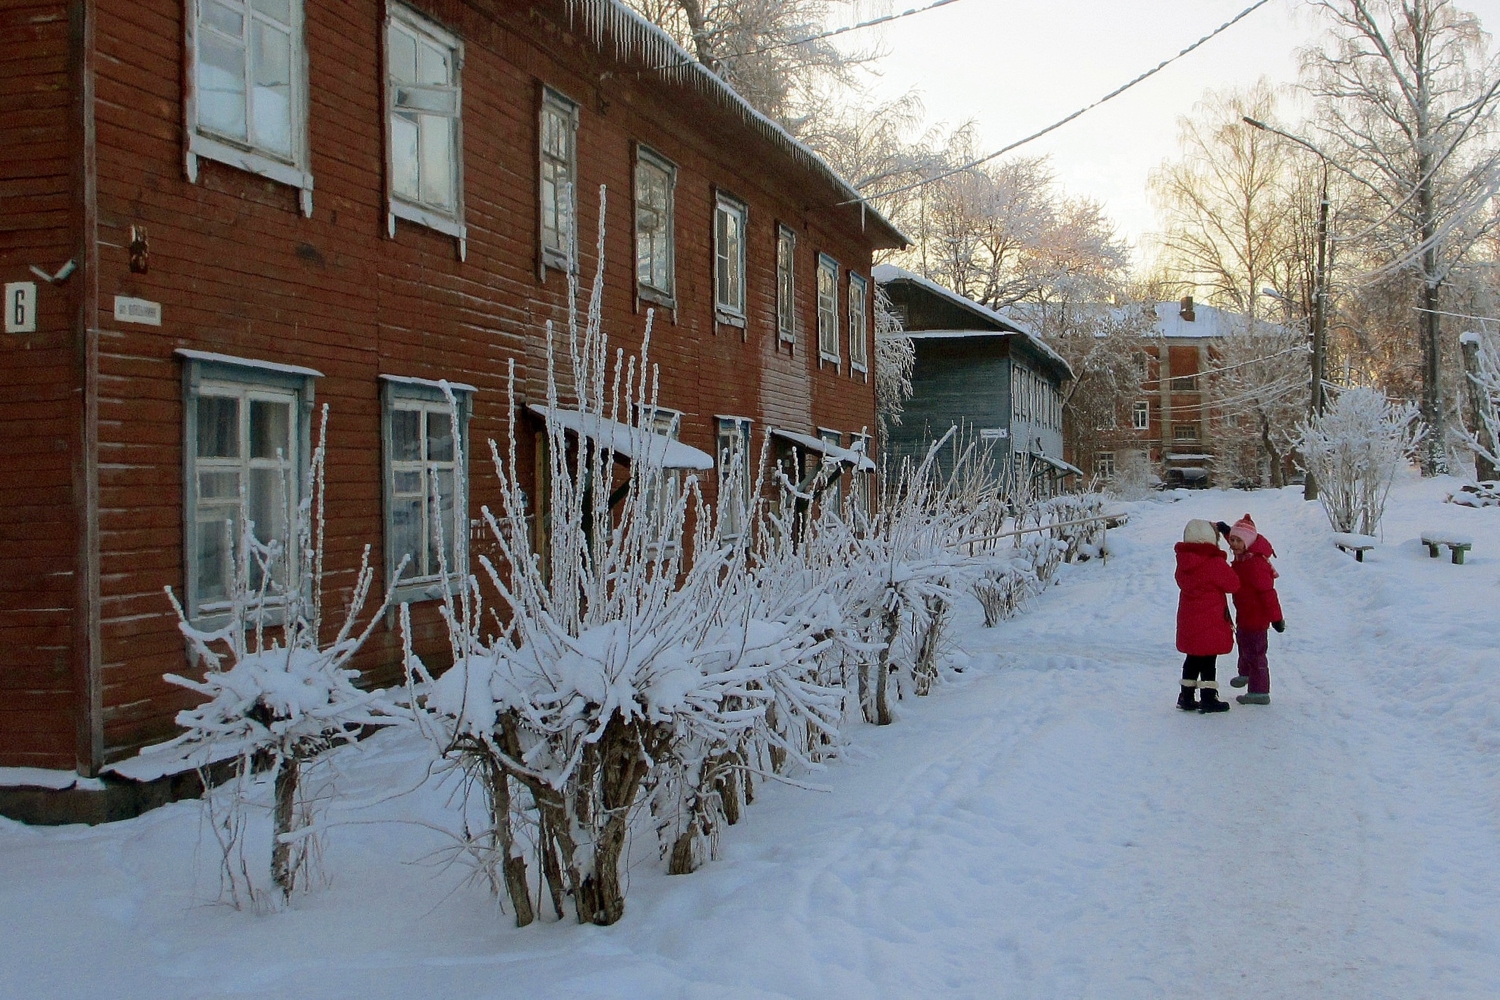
(1015, 66)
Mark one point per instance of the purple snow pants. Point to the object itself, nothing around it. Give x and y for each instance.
(1252, 643)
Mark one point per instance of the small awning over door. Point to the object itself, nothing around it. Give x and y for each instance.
(830, 452)
(635, 444)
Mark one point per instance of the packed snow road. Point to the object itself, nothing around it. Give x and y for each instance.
(1046, 824)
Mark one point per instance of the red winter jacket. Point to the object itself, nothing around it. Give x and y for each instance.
(1203, 625)
(1256, 605)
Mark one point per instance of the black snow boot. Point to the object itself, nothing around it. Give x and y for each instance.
(1211, 702)
(1188, 699)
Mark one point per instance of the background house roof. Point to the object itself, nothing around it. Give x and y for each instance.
(1207, 321)
(988, 322)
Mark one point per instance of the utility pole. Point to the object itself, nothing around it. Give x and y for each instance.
(1320, 288)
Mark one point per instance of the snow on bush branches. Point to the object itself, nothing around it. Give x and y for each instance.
(660, 653)
(1354, 451)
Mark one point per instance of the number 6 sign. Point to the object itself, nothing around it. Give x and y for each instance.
(20, 307)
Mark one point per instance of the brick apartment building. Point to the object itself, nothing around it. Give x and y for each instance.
(219, 213)
(1170, 430)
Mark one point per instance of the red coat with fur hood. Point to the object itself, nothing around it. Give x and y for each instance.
(1205, 578)
(1256, 604)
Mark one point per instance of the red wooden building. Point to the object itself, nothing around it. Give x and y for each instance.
(217, 214)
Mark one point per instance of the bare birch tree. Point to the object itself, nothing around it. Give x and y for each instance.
(1408, 93)
(768, 50)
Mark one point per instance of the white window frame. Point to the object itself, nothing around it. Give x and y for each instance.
(1140, 415)
(734, 433)
(662, 293)
(559, 243)
(666, 421)
(828, 310)
(859, 325)
(432, 216)
(729, 260)
(248, 381)
(400, 393)
(293, 169)
(1104, 464)
(1191, 426)
(786, 284)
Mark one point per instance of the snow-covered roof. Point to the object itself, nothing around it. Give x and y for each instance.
(618, 31)
(1058, 464)
(634, 443)
(1207, 321)
(844, 456)
(230, 359)
(428, 383)
(1007, 326)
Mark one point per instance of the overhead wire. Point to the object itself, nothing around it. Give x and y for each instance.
(1076, 114)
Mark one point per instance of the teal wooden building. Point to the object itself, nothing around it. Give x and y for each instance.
(982, 372)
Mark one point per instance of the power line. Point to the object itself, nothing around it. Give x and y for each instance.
(1081, 111)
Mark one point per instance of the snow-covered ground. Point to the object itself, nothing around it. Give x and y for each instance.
(1047, 824)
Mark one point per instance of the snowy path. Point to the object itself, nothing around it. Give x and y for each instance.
(1045, 825)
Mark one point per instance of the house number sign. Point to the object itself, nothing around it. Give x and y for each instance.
(20, 307)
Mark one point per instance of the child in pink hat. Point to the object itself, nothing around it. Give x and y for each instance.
(1256, 605)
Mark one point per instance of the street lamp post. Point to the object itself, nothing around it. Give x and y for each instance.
(1320, 287)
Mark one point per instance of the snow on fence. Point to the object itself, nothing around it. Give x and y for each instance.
(657, 656)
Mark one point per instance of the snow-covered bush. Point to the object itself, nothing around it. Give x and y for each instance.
(648, 658)
(631, 657)
(276, 696)
(1354, 450)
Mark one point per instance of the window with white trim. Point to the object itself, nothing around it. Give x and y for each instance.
(1104, 464)
(655, 179)
(424, 104)
(735, 476)
(786, 285)
(828, 308)
(425, 442)
(245, 454)
(668, 423)
(1184, 432)
(1140, 417)
(859, 333)
(247, 105)
(559, 177)
(730, 218)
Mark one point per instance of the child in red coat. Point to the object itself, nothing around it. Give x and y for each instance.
(1256, 607)
(1204, 631)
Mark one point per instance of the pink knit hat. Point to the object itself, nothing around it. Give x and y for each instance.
(1244, 530)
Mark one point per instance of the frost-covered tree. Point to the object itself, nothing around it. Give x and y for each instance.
(1408, 95)
(1257, 388)
(770, 51)
(1228, 203)
(1355, 449)
(1482, 362)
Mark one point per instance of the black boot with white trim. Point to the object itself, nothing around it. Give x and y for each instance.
(1210, 698)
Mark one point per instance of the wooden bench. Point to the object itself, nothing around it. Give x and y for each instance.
(1457, 544)
(1358, 544)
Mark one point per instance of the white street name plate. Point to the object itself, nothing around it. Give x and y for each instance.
(128, 310)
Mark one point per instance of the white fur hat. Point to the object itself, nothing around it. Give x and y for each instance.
(1200, 532)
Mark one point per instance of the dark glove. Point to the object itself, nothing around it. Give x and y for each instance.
(1222, 528)
(1279, 625)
